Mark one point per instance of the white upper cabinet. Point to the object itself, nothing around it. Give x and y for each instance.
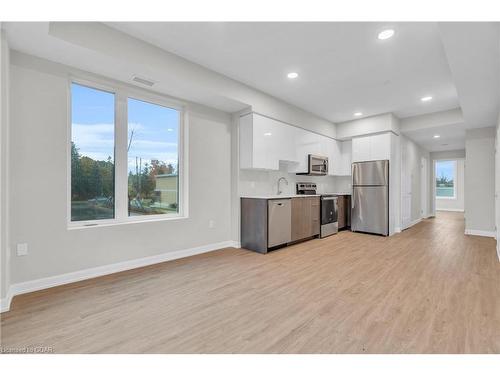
(380, 146)
(361, 149)
(346, 158)
(306, 143)
(372, 147)
(266, 143)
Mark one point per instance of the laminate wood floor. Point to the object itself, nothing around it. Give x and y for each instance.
(430, 289)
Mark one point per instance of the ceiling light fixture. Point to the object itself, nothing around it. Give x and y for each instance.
(268, 134)
(357, 114)
(436, 136)
(385, 34)
(292, 75)
(426, 98)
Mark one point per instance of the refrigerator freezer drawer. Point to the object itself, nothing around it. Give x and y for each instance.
(369, 211)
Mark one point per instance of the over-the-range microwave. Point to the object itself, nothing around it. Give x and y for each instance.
(317, 166)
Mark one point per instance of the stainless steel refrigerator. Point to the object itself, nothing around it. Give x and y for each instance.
(370, 197)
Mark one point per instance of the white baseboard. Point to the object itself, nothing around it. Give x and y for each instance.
(414, 222)
(450, 209)
(484, 233)
(397, 230)
(89, 273)
(5, 302)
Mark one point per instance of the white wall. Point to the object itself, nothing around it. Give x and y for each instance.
(368, 125)
(456, 204)
(4, 201)
(480, 181)
(38, 197)
(497, 185)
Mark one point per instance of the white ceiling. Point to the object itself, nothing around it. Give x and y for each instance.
(343, 67)
(452, 137)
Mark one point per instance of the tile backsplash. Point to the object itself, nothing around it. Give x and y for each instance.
(257, 182)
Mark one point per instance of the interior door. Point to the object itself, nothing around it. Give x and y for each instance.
(424, 181)
(406, 191)
(370, 212)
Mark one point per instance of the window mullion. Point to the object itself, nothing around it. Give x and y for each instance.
(121, 177)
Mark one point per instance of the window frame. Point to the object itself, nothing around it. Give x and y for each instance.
(455, 178)
(122, 92)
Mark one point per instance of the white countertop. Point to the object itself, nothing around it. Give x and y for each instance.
(340, 193)
(288, 196)
(281, 196)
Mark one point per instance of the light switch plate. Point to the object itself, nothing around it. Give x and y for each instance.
(22, 249)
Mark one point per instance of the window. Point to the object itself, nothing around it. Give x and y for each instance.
(125, 158)
(153, 183)
(446, 171)
(92, 154)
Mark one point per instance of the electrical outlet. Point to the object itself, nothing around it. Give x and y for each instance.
(22, 249)
(211, 223)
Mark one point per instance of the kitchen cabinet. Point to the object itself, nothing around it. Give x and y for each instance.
(344, 211)
(305, 217)
(346, 158)
(371, 147)
(265, 142)
(361, 149)
(267, 223)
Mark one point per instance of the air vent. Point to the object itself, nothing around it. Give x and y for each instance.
(143, 81)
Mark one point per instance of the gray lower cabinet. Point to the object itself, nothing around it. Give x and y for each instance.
(344, 211)
(270, 223)
(305, 218)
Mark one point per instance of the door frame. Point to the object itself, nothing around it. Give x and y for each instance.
(424, 185)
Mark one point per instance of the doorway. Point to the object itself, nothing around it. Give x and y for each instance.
(449, 184)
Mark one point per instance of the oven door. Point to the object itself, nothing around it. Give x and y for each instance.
(318, 165)
(329, 210)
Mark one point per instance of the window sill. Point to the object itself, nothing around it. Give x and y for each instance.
(447, 198)
(89, 225)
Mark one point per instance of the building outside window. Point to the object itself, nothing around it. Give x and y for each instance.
(92, 154)
(125, 159)
(446, 177)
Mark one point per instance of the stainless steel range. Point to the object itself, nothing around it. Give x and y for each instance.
(329, 208)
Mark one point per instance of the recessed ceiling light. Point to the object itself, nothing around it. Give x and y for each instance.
(292, 75)
(426, 98)
(436, 136)
(357, 114)
(385, 34)
(268, 134)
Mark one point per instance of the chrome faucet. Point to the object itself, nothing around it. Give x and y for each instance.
(279, 180)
